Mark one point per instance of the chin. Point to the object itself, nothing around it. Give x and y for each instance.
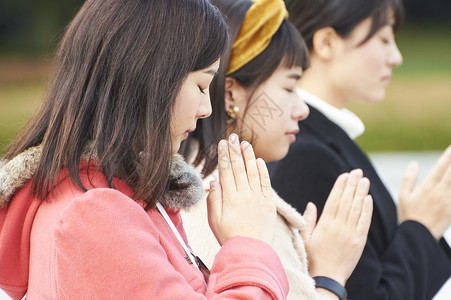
(373, 98)
(277, 155)
(175, 147)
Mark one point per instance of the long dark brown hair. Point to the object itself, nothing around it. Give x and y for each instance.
(286, 49)
(118, 70)
(343, 15)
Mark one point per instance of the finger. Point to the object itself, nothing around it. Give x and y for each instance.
(356, 209)
(310, 216)
(331, 205)
(365, 218)
(348, 194)
(265, 182)
(226, 179)
(214, 205)
(446, 180)
(440, 167)
(409, 179)
(251, 166)
(237, 163)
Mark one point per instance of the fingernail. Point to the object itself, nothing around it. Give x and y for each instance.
(343, 177)
(309, 208)
(223, 145)
(363, 182)
(246, 145)
(212, 185)
(413, 166)
(261, 162)
(356, 174)
(233, 138)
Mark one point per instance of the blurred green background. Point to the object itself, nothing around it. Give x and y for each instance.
(415, 116)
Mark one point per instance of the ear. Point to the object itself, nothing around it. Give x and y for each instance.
(235, 94)
(326, 43)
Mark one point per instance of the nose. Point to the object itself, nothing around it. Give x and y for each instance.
(300, 109)
(204, 110)
(395, 56)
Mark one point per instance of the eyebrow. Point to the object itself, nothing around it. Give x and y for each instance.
(294, 76)
(212, 72)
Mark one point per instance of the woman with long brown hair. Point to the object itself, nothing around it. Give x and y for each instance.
(91, 188)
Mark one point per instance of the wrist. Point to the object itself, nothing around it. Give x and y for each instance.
(324, 294)
(436, 231)
(331, 285)
(341, 279)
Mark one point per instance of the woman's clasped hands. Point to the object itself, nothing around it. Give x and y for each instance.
(335, 243)
(430, 202)
(241, 203)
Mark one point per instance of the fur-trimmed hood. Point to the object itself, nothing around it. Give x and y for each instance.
(18, 208)
(14, 174)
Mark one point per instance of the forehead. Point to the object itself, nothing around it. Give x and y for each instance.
(294, 72)
(210, 70)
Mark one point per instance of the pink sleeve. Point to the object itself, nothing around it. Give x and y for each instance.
(248, 263)
(107, 246)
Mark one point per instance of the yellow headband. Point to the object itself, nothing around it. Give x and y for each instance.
(262, 21)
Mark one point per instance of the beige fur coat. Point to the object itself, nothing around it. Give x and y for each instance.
(287, 242)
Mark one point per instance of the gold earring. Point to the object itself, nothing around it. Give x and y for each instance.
(233, 110)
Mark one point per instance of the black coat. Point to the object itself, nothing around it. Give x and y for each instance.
(399, 261)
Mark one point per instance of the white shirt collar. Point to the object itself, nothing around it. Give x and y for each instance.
(344, 118)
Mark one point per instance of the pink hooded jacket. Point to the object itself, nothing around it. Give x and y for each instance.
(101, 244)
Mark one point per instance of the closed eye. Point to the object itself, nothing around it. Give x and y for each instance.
(201, 90)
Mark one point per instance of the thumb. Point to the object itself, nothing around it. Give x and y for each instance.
(214, 205)
(409, 179)
(310, 215)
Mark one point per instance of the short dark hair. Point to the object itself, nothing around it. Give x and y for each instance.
(343, 15)
(287, 49)
(119, 68)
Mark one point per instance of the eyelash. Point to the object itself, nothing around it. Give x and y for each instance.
(201, 90)
(289, 90)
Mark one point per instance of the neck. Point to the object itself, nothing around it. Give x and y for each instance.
(316, 81)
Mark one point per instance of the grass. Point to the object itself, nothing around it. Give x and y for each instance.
(414, 116)
(426, 50)
(22, 86)
(18, 102)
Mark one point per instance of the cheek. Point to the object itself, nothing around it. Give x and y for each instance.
(185, 112)
(373, 58)
(268, 113)
(273, 143)
(358, 76)
(376, 68)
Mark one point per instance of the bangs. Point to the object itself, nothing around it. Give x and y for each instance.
(286, 49)
(389, 12)
(293, 47)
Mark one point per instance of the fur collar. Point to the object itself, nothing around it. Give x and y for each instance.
(14, 174)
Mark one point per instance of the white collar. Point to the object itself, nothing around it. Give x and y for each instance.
(344, 118)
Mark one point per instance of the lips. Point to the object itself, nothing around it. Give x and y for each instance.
(292, 135)
(386, 79)
(296, 131)
(186, 133)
